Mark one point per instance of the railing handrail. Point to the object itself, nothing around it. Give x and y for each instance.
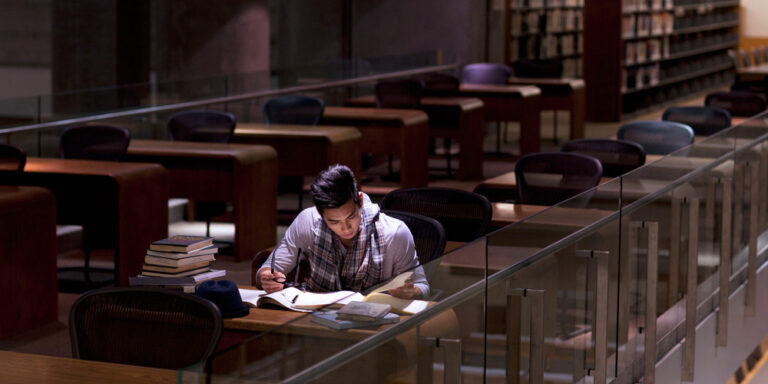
(225, 99)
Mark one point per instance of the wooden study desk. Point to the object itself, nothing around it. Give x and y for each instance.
(28, 273)
(509, 213)
(558, 94)
(303, 343)
(25, 368)
(121, 206)
(400, 132)
(506, 185)
(752, 73)
(245, 175)
(460, 118)
(511, 103)
(304, 150)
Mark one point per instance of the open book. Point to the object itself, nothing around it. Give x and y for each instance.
(298, 300)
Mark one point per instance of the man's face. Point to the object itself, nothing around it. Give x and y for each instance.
(344, 221)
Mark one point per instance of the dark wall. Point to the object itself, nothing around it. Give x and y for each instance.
(394, 27)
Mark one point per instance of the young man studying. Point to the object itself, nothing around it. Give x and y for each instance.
(350, 245)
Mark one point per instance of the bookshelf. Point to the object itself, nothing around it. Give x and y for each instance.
(655, 52)
(545, 29)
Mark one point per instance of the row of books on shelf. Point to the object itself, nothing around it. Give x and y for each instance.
(638, 52)
(551, 46)
(647, 25)
(545, 3)
(552, 21)
(640, 77)
(179, 262)
(644, 5)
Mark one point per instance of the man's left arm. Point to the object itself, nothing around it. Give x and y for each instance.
(403, 251)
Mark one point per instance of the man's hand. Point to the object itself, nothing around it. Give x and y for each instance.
(407, 291)
(267, 280)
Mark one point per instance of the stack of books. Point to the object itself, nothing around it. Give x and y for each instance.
(179, 262)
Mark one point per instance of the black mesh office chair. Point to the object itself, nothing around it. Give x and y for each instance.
(746, 62)
(203, 126)
(616, 156)
(439, 84)
(657, 137)
(144, 326)
(92, 142)
(12, 157)
(547, 178)
(293, 109)
(703, 120)
(738, 103)
(464, 215)
(299, 110)
(488, 73)
(756, 56)
(428, 234)
(541, 68)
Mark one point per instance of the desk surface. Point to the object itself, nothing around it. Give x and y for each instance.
(290, 131)
(24, 368)
(366, 116)
(562, 81)
(242, 152)
(506, 213)
(498, 90)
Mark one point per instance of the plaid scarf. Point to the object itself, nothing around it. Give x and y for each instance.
(335, 268)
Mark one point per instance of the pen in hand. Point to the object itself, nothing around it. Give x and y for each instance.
(294, 299)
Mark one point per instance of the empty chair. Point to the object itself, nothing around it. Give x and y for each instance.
(145, 326)
(401, 93)
(94, 142)
(541, 68)
(657, 137)
(12, 157)
(617, 157)
(464, 215)
(738, 103)
(293, 109)
(734, 58)
(485, 73)
(756, 56)
(428, 234)
(439, 84)
(703, 120)
(203, 126)
(764, 53)
(547, 178)
(488, 73)
(745, 60)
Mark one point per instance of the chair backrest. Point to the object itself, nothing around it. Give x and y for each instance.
(12, 157)
(145, 326)
(764, 53)
(616, 156)
(439, 84)
(464, 215)
(756, 56)
(399, 93)
(428, 234)
(745, 60)
(703, 120)
(657, 137)
(547, 178)
(94, 142)
(485, 73)
(737, 103)
(734, 58)
(200, 125)
(542, 68)
(293, 109)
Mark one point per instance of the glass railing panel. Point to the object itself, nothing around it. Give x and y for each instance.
(446, 338)
(19, 111)
(545, 316)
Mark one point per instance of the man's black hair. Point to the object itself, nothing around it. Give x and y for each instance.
(333, 188)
